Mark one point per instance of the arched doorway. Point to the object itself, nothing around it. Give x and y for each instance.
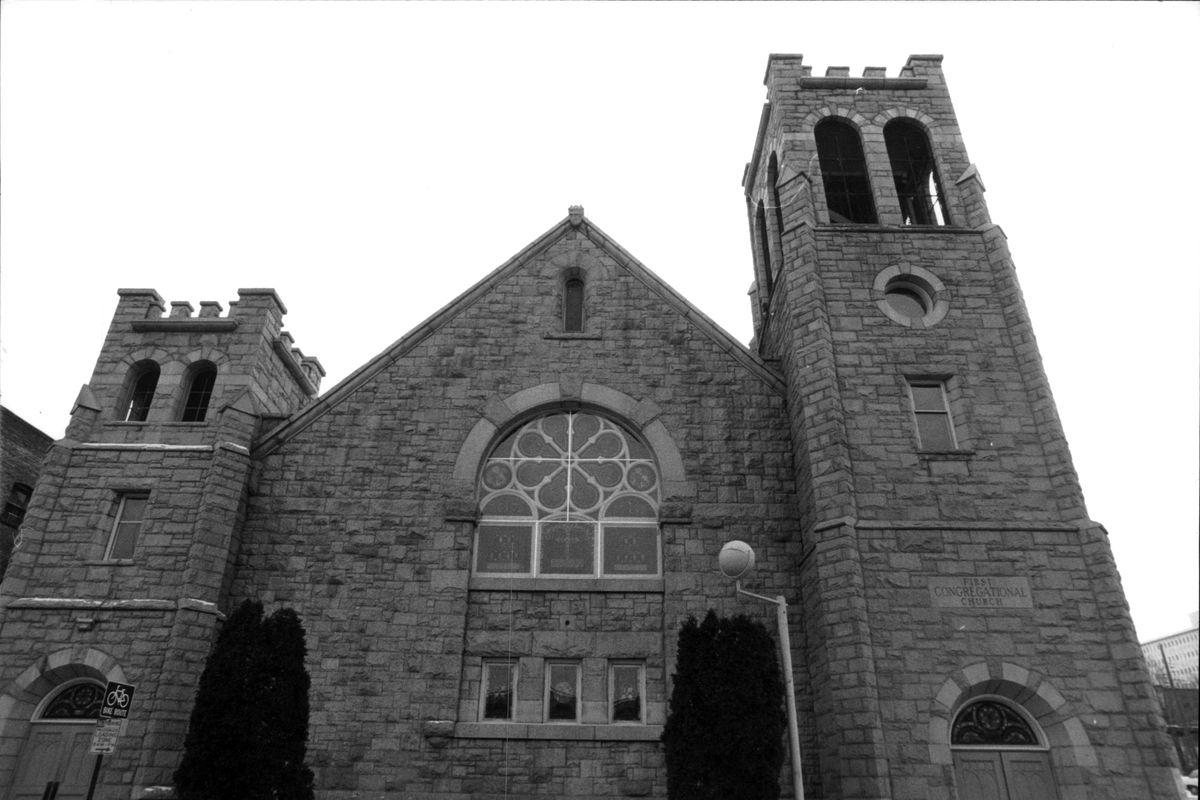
(999, 754)
(56, 749)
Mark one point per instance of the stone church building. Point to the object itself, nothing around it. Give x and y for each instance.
(493, 530)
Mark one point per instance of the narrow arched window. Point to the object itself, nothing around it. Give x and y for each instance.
(917, 184)
(569, 494)
(844, 172)
(773, 188)
(202, 378)
(139, 392)
(764, 246)
(573, 304)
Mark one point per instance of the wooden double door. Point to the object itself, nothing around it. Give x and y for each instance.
(1004, 775)
(55, 762)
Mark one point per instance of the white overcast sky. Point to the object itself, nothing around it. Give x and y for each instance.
(371, 161)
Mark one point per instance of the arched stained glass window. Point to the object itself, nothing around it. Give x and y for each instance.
(988, 722)
(78, 701)
(570, 494)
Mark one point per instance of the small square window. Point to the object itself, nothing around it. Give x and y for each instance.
(935, 428)
(562, 691)
(627, 691)
(499, 690)
(128, 526)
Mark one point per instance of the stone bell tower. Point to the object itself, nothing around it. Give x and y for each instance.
(951, 571)
(128, 546)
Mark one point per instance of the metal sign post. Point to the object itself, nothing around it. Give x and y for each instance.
(114, 712)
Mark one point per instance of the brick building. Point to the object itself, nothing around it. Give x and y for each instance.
(494, 529)
(22, 448)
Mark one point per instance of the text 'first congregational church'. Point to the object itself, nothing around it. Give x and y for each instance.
(494, 529)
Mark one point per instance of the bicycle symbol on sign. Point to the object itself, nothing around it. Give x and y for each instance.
(118, 697)
(118, 700)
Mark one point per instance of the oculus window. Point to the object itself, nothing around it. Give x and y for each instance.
(570, 494)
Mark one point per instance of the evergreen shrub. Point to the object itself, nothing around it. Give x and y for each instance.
(249, 727)
(726, 721)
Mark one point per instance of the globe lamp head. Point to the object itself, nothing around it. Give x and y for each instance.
(736, 559)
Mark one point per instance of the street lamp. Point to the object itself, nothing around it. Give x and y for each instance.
(735, 560)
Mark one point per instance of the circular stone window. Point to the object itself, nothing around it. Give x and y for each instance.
(911, 296)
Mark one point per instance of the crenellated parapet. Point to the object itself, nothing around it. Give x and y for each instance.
(168, 370)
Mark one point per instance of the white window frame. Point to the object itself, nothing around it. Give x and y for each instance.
(613, 666)
(485, 683)
(577, 667)
(945, 412)
(137, 525)
(599, 530)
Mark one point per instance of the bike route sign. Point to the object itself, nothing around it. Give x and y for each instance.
(118, 698)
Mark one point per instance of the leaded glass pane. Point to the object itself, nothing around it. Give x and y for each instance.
(504, 548)
(991, 723)
(81, 701)
(630, 551)
(568, 548)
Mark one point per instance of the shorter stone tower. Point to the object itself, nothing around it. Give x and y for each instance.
(127, 546)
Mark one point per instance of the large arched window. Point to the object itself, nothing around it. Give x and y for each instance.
(139, 392)
(569, 494)
(201, 378)
(844, 172)
(917, 184)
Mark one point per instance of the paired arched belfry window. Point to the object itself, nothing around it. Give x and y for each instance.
(917, 184)
(569, 494)
(198, 391)
(139, 392)
(844, 172)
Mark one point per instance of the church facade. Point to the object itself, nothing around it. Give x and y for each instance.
(493, 530)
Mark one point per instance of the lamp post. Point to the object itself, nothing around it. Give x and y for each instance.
(735, 560)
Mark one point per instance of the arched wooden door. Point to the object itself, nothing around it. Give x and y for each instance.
(999, 756)
(56, 750)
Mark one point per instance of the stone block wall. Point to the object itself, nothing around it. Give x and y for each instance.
(360, 521)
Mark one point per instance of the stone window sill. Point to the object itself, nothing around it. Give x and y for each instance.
(592, 336)
(585, 733)
(946, 455)
(110, 562)
(499, 584)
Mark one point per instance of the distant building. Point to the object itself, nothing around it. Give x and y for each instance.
(494, 529)
(1174, 660)
(22, 448)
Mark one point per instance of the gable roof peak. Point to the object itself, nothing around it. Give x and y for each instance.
(575, 215)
